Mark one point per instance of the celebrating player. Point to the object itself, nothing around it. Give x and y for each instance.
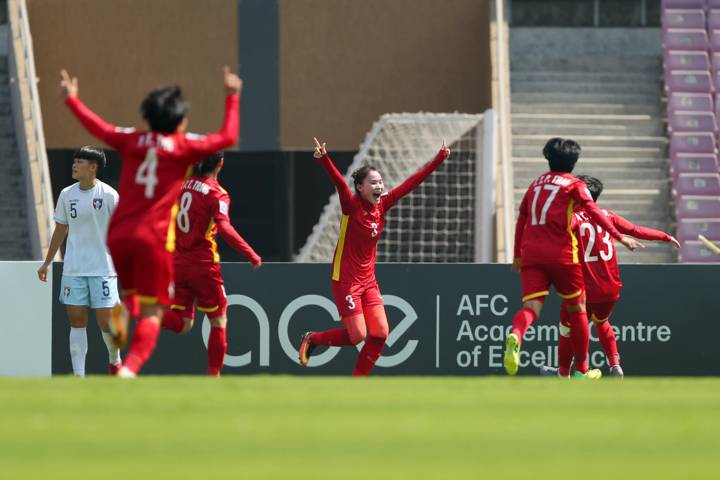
(546, 251)
(89, 280)
(141, 236)
(602, 278)
(204, 211)
(356, 291)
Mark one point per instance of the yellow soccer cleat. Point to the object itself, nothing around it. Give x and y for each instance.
(306, 349)
(512, 354)
(592, 374)
(119, 319)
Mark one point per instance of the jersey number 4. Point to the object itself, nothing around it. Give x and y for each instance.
(543, 213)
(147, 173)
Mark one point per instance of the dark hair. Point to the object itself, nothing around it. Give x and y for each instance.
(360, 174)
(164, 109)
(562, 154)
(208, 165)
(594, 185)
(92, 154)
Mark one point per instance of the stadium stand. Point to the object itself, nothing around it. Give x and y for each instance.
(691, 59)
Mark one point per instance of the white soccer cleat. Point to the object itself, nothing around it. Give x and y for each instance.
(125, 372)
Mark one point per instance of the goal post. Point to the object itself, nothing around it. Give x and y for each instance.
(451, 216)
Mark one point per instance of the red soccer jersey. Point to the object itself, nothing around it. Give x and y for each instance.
(600, 267)
(543, 233)
(153, 167)
(362, 223)
(204, 209)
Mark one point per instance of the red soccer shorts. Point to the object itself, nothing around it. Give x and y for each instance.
(601, 310)
(144, 268)
(536, 280)
(350, 298)
(203, 282)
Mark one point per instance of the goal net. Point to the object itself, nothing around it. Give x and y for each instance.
(438, 221)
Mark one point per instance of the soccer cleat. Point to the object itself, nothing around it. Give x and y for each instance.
(114, 369)
(616, 371)
(591, 374)
(306, 349)
(119, 318)
(511, 361)
(546, 371)
(125, 372)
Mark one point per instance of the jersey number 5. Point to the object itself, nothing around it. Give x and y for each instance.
(183, 219)
(147, 173)
(543, 213)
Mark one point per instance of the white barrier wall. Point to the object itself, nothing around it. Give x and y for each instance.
(26, 323)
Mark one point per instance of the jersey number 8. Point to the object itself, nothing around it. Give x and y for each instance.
(183, 219)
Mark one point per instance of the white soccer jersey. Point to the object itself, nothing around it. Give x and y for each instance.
(87, 214)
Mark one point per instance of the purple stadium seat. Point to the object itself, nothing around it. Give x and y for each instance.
(691, 81)
(685, 39)
(687, 60)
(683, 4)
(697, 184)
(692, 142)
(713, 19)
(693, 206)
(715, 40)
(713, 4)
(694, 251)
(683, 121)
(690, 228)
(693, 163)
(676, 18)
(690, 102)
(715, 62)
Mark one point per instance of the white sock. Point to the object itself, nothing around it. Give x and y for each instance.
(78, 350)
(113, 352)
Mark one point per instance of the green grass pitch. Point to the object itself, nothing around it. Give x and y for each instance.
(344, 428)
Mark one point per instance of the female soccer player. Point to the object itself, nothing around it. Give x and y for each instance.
(356, 291)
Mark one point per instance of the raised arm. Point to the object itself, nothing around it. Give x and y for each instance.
(96, 126)
(644, 233)
(414, 180)
(341, 185)
(202, 146)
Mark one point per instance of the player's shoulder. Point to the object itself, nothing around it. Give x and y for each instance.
(106, 189)
(72, 188)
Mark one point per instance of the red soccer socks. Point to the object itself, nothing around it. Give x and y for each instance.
(217, 346)
(607, 340)
(173, 321)
(337, 337)
(368, 356)
(143, 344)
(580, 338)
(522, 321)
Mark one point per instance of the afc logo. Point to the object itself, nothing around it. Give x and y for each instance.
(410, 316)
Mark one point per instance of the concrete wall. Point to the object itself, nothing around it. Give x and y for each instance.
(346, 62)
(120, 49)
